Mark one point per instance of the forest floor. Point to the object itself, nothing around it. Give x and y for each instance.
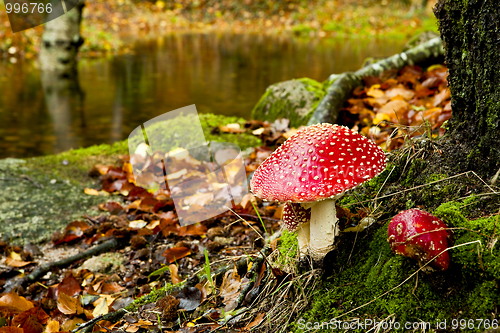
(119, 251)
(145, 252)
(107, 25)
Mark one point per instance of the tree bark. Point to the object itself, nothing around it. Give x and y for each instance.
(471, 35)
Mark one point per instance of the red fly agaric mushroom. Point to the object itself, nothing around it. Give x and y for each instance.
(296, 218)
(420, 235)
(314, 167)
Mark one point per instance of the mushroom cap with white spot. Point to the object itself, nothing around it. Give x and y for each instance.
(294, 215)
(317, 163)
(420, 235)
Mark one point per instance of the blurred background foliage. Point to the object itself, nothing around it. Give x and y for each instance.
(107, 25)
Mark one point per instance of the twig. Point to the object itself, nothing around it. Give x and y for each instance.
(28, 178)
(90, 219)
(45, 268)
(23, 177)
(256, 217)
(89, 325)
(381, 187)
(423, 185)
(485, 183)
(252, 275)
(352, 249)
(258, 233)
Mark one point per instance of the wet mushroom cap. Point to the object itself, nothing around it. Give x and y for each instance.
(294, 215)
(317, 163)
(420, 235)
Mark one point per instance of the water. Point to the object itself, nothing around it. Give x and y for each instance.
(220, 73)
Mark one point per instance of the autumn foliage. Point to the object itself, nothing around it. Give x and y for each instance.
(155, 248)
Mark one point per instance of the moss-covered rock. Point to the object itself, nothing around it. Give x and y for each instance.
(294, 99)
(36, 201)
(166, 133)
(41, 195)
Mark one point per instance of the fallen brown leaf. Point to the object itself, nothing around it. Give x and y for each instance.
(174, 274)
(52, 326)
(11, 329)
(16, 263)
(69, 286)
(176, 253)
(16, 302)
(256, 322)
(68, 305)
(31, 320)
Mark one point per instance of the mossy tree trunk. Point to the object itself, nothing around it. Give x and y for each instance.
(471, 34)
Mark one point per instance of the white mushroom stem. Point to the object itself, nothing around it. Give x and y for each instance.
(323, 229)
(303, 236)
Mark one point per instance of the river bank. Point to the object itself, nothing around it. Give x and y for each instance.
(107, 27)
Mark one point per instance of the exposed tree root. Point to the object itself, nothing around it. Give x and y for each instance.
(340, 90)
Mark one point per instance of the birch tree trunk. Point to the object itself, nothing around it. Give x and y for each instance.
(60, 42)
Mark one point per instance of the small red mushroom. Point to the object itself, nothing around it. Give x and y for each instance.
(296, 218)
(420, 235)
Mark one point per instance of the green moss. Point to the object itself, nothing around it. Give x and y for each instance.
(432, 195)
(473, 154)
(416, 168)
(468, 289)
(410, 204)
(153, 296)
(481, 259)
(288, 248)
(294, 99)
(167, 133)
(74, 164)
(435, 177)
(451, 212)
(36, 202)
(209, 121)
